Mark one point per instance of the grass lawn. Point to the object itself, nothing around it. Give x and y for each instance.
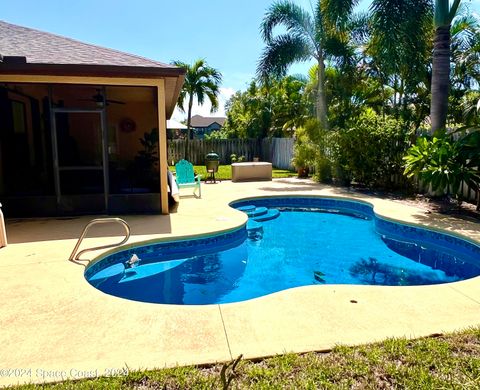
(449, 361)
(225, 172)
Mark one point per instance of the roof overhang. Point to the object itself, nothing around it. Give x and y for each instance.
(205, 126)
(173, 76)
(173, 124)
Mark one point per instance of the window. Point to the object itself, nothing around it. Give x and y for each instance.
(18, 117)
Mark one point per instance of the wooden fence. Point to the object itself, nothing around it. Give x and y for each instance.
(278, 151)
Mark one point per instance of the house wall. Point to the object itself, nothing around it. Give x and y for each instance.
(200, 132)
(144, 114)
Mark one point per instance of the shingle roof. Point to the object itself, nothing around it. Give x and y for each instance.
(203, 121)
(45, 48)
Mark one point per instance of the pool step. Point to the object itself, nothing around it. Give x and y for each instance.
(252, 225)
(247, 208)
(269, 215)
(253, 211)
(257, 212)
(256, 215)
(254, 230)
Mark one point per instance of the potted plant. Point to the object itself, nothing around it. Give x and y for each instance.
(234, 158)
(145, 164)
(303, 153)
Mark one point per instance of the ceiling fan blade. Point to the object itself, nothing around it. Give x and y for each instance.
(115, 101)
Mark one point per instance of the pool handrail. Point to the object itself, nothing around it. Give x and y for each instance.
(75, 256)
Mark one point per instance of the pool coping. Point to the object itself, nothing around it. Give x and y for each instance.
(53, 320)
(381, 225)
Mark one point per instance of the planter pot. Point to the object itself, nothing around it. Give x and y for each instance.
(303, 172)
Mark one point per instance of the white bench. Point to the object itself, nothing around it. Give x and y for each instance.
(251, 171)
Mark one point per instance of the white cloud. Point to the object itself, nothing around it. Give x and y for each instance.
(204, 110)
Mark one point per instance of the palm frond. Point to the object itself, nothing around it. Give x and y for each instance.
(201, 81)
(453, 9)
(180, 64)
(337, 12)
(320, 28)
(181, 100)
(213, 97)
(340, 51)
(280, 53)
(399, 28)
(359, 28)
(463, 32)
(286, 13)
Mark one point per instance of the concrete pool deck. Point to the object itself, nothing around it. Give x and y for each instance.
(54, 325)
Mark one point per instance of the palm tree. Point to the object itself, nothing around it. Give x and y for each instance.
(307, 36)
(443, 16)
(400, 47)
(201, 81)
(465, 75)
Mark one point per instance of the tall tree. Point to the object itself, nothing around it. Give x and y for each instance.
(400, 47)
(465, 75)
(272, 109)
(201, 81)
(443, 16)
(307, 36)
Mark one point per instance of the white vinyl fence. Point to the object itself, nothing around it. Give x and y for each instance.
(278, 151)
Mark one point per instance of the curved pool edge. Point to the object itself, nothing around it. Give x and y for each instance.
(371, 202)
(380, 208)
(379, 211)
(160, 240)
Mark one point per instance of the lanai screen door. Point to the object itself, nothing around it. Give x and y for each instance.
(80, 159)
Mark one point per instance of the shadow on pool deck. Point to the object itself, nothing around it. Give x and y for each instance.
(295, 185)
(448, 223)
(49, 229)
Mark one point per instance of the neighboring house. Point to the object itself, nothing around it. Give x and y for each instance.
(176, 130)
(202, 125)
(82, 127)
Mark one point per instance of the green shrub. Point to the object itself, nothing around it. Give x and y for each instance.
(311, 151)
(234, 158)
(445, 163)
(370, 150)
(323, 169)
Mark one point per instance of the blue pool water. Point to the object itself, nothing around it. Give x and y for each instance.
(288, 242)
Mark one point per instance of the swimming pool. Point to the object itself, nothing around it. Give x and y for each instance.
(287, 242)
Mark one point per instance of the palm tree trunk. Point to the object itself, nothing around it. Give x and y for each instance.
(321, 96)
(189, 129)
(403, 98)
(440, 78)
(395, 94)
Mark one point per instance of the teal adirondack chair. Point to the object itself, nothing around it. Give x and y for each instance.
(186, 178)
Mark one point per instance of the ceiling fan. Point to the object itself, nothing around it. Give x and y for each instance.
(98, 98)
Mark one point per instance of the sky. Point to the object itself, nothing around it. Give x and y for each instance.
(223, 32)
